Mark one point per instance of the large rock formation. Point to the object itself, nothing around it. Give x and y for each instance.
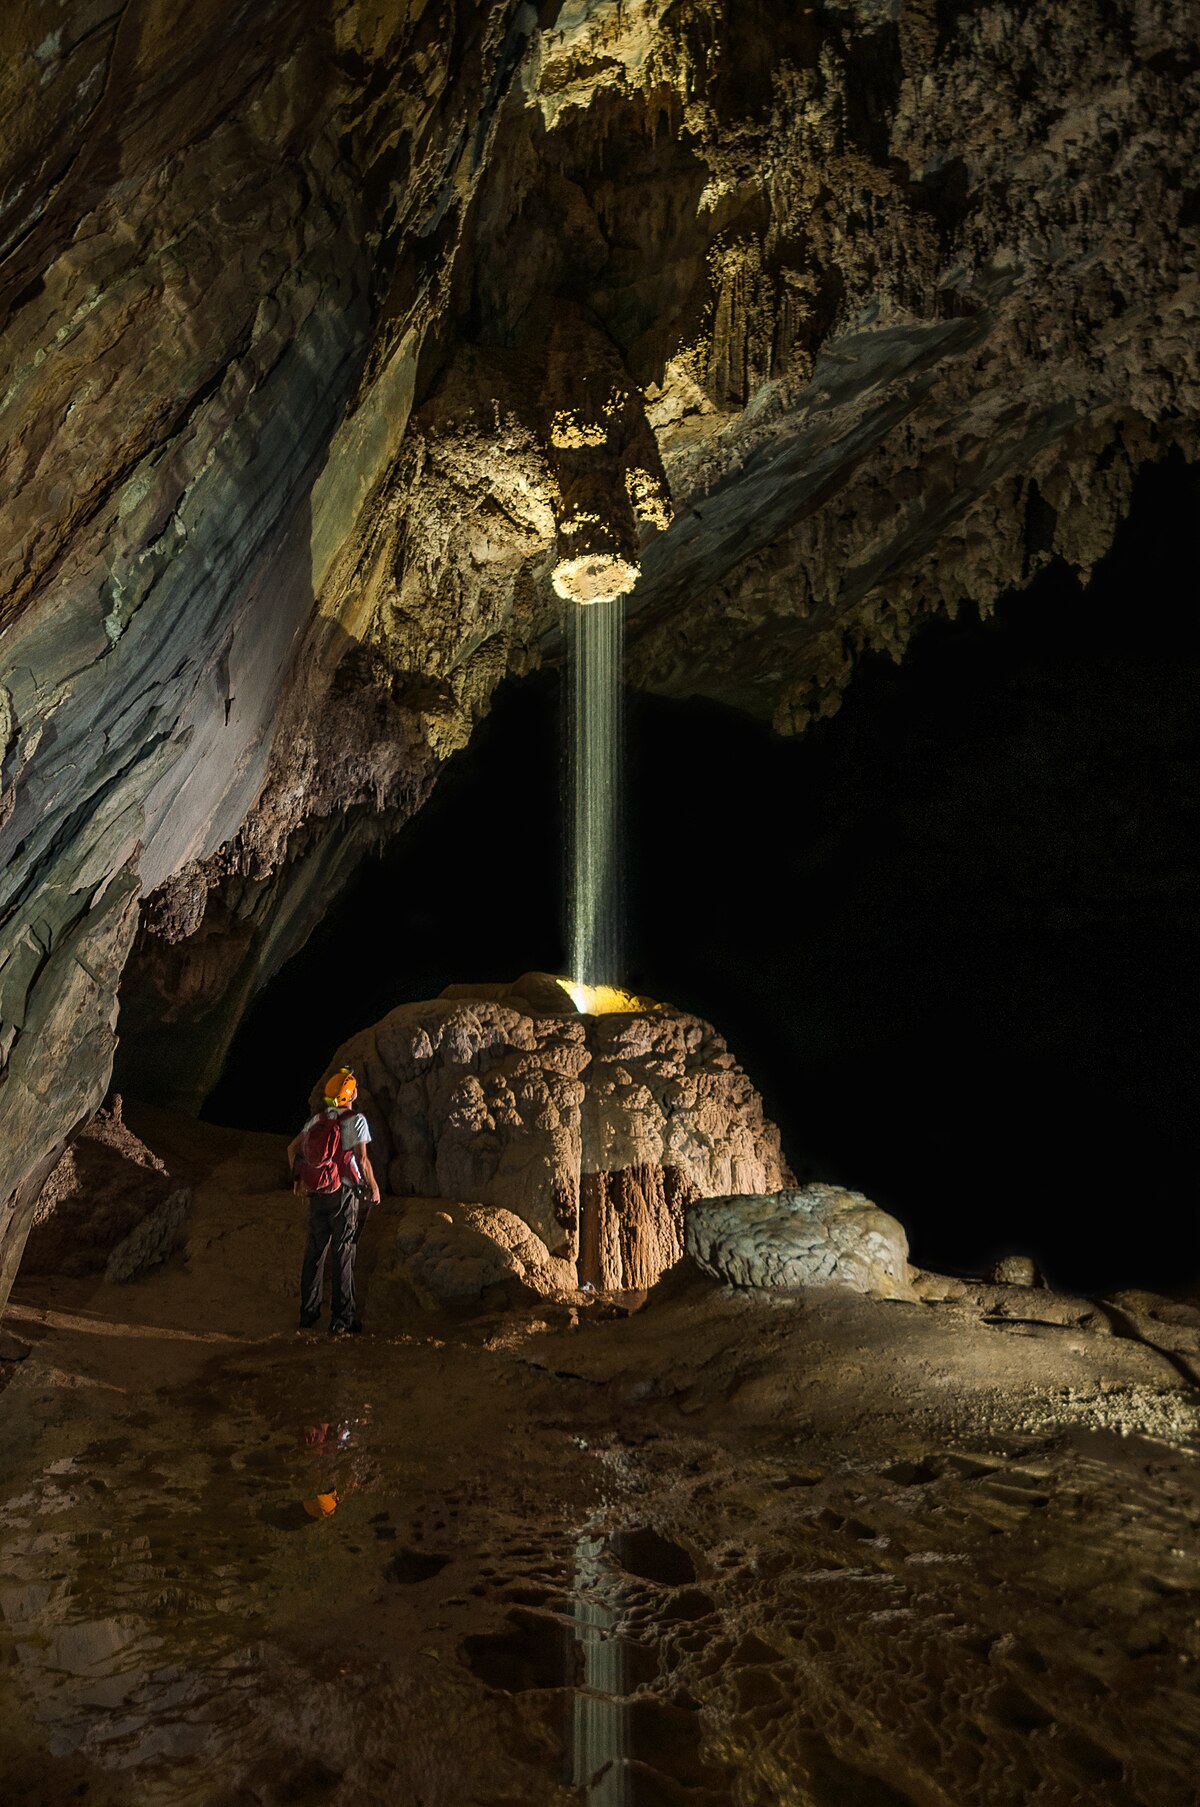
(333, 333)
(596, 1131)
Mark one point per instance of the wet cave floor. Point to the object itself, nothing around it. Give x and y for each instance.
(840, 1552)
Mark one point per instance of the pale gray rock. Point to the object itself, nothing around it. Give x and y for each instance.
(809, 1236)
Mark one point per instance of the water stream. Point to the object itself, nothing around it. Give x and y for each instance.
(595, 641)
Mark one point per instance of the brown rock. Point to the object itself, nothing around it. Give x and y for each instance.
(487, 1100)
(1015, 1270)
(631, 1225)
(896, 303)
(98, 1202)
(445, 1253)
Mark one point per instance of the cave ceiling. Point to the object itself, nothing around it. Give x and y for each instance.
(303, 304)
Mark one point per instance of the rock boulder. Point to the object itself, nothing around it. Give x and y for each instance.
(595, 1131)
(811, 1236)
(1015, 1270)
(109, 1204)
(451, 1253)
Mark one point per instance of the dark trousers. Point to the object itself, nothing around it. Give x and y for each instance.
(332, 1218)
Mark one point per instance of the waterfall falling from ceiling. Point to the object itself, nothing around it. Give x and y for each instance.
(596, 642)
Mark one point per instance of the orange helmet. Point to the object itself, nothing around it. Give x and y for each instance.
(341, 1088)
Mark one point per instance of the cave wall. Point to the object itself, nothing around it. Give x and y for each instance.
(896, 299)
(206, 382)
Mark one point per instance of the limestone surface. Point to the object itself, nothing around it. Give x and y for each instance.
(332, 332)
(451, 1253)
(594, 1131)
(111, 1204)
(803, 1237)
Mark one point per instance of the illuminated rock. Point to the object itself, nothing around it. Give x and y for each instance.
(332, 337)
(596, 1131)
(445, 1252)
(608, 472)
(811, 1236)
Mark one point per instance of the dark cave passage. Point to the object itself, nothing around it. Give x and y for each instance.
(951, 933)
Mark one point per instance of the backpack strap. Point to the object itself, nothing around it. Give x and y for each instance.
(348, 1156)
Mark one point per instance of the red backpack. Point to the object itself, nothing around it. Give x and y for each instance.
(322, 1161)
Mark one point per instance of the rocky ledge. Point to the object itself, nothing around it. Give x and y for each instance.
(110, 1205)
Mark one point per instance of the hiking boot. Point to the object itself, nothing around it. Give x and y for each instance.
(308, 1319)
(340, 1328)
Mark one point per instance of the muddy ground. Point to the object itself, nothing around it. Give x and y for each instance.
(835, 1551)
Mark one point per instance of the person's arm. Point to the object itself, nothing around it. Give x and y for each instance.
(367, 1171)
(293, 1152)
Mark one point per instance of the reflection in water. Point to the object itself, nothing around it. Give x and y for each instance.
(127, 1603)
(600, 1722)
(106, 1686)
(338, 1449)
(147, 1625)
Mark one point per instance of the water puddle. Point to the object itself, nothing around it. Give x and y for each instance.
(600, 1742)
(603, 1644)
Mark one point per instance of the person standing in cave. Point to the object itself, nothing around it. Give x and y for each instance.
(330, 1165)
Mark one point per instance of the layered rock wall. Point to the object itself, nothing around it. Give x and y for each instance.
(205, 387)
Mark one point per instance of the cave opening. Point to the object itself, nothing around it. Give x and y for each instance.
(951, 932)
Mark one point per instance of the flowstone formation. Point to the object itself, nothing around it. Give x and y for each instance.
(803, 1237)
(597, 1131)
(334, 336)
